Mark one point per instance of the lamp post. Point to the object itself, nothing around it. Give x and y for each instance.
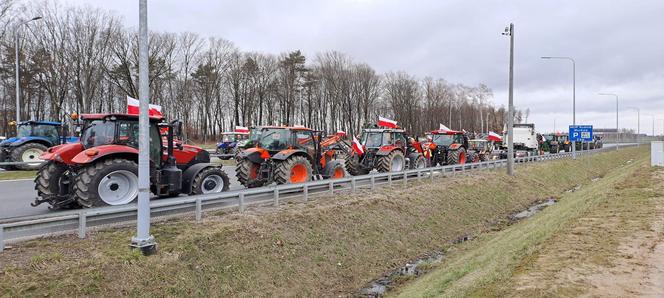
(573, 96)
(509, 31)
(17, 71)
(617, 128)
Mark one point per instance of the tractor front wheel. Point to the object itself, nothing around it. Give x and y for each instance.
(393, 162)
(210, 180)
(456, 156)
(51, 177)
(417, 161)
(335, 170)
(295, 169)
(248, 173)
(354, 167)
(107, 182)
(29, 152)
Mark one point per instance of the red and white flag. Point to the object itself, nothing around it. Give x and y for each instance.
(132, 108)
(494, 137)
(357, 146)
(241, 129)
(341, 133)
(386, 122)
(443, 128)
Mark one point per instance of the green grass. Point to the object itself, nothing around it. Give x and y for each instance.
(12, 175)
(483, 267)
(332, 246)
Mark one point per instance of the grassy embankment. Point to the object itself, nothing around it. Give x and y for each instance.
(529, 258)
(13, 175)
(332, 246)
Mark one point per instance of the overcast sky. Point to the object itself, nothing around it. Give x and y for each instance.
(618, 45)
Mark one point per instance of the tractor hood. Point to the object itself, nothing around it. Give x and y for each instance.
(63, 153)
(14, 142)
(8, 142)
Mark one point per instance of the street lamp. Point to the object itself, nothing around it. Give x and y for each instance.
(617, 128)
(509, 31)
(573, 95)
(18, 84)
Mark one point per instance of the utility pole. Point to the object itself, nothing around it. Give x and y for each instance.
(510, 118)
(143, 240)
(18, 69)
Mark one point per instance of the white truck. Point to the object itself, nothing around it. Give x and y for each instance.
(525, 139)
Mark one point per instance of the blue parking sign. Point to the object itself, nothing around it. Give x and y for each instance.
(581, 133)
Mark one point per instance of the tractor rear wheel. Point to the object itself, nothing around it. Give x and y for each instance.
(50, 177)
(457, 156)
(393, 162)
(473, 157)
(295, 169)
(29, 152)
(335, 170)
(248, 173)
(210, 180)
(354, 167)
(107, 182)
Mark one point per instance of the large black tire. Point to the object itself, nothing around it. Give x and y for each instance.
(17, 155)
(473, 157)
(86, 183)
(457, 156)
(354, 167)
(247, 173)
(484, 156)
(390, 162)
(417, 161)
(554, 149)
(210, 180)
(295, 169)
(48, 183)
(335, 169)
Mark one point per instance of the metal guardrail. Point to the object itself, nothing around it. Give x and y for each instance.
(22, 228)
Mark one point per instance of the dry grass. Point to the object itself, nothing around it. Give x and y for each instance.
(326, 248)
(12, 175)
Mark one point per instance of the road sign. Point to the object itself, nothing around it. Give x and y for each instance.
(579, 133)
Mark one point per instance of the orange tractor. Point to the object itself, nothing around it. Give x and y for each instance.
(384, 149)
(288, 155)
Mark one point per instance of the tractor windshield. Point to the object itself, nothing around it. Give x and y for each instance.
(477, 144)
(443, 140)
(24, 130)
(228, 138)
(375, 139)
(274, 139)
(97, 133)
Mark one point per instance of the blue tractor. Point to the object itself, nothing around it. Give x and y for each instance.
(228, 147)
(33, 138)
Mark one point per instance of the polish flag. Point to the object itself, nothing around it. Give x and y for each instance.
(386, 122)
(357, 146)
(132, 108)
(443, 128)
(494, 137)
(341, 133)
(241, 129)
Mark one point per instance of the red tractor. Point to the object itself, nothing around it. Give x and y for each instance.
(386, 150)
(102, 169)
(287, 155)
(447, 147)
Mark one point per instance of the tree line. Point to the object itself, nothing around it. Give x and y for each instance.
(83, 59)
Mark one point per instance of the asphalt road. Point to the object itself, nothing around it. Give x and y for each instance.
(16, 195)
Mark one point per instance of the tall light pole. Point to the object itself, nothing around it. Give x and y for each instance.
(16, 58)
(617, 127)
(143, 240)
(573, 96)
(509, 31)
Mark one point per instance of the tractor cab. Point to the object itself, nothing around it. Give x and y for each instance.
(286, 155)
(385, 150)
(228, 146)
(32, 139)
(447, 146)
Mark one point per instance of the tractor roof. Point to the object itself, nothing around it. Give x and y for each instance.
(230, 133)
(40, 123)
(117, 116)
(446, 132)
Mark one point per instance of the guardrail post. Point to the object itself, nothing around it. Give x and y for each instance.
(431, 173)
(305, 192)
(389, 178)
(199, 208)
(81, 224)
(276, 197)
(405, 178)
(352, 184)
(331, 187)
(373, 182)
(2, 238)
(240, 202)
